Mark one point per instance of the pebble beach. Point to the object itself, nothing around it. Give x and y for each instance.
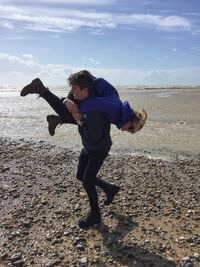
(154, 220)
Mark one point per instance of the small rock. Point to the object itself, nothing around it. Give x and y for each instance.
(18, 263)
(3, 256)
(83, 261)
(66, 233)
(186, 259)
(16, 257)
(188, 264)
(80, 247)
(104, 253)
(196, 256)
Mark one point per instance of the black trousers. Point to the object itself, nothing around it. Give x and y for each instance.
(89, 161)
(89, 164)
(58, 106)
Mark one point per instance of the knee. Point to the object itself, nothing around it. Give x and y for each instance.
(88, 183)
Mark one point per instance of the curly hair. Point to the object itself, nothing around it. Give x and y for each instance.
(140, 119)
(83, 78)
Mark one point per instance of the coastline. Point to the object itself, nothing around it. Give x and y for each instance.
(172, 127)
(154, 220)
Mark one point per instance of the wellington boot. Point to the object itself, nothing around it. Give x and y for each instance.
(91, 219)
(53, 121)
(35, 87)
(111, 191)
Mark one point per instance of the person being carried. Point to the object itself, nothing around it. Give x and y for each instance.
(104, 98)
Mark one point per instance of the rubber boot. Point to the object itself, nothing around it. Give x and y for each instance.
(35, 87)
(53, 122)
(111, 191)
(91, 219)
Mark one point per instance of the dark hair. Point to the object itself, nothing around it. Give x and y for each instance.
(83, 79)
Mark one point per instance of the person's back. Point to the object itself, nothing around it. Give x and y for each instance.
(103, 88)
(95, 131)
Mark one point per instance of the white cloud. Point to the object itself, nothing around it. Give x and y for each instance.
(175, 22)
(57, 24)
(194, 48)
(7, 25)
(67, 19)
(21, 70)
(13, 38)
(28, 56)
(16, 70)
(10, 63)
(174, 50)
(92, 60)
(73, 2)
(162, 22)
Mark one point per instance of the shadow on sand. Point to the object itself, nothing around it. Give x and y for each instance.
(129, 255)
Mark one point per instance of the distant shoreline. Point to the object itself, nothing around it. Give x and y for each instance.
(162, 87)
(119, 87)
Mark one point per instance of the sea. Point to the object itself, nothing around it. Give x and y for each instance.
(172, 129)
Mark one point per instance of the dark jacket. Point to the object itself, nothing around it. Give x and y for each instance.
(95, 132)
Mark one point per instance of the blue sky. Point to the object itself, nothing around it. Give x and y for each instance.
(132, 42)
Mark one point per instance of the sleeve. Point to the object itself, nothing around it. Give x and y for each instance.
(70, 96)
(101, 104)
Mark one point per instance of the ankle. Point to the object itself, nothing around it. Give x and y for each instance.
(43, 90)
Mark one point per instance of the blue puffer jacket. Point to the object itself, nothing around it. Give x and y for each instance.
(107, 100)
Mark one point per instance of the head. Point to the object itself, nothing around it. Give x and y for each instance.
(82, 84)
(136, 123)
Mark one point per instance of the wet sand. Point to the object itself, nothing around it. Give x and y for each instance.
(173, 123)
(154, 220)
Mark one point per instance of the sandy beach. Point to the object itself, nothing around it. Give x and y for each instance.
(154, 220)
(173, 123)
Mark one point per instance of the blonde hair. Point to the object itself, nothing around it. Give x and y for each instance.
(140, 119)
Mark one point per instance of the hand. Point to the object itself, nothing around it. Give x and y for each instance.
(71, 106)
(77, 116)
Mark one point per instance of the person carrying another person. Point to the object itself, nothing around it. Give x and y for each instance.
(94, 129)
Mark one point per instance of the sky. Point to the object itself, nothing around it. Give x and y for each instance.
(128, 42)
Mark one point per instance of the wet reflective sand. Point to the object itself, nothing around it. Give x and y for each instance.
(173, 121)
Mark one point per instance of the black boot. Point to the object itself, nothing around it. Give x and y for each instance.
(35, 87)
(91, 219)
(111, 191)
(53, 121)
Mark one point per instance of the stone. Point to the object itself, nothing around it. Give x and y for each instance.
(196, 256)
(18, 263)
(83, 261)
(3, 256)
(186, 259)
(188, 264)
(16, 257)
(104, 253)
(66, 233)
(80, 247)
